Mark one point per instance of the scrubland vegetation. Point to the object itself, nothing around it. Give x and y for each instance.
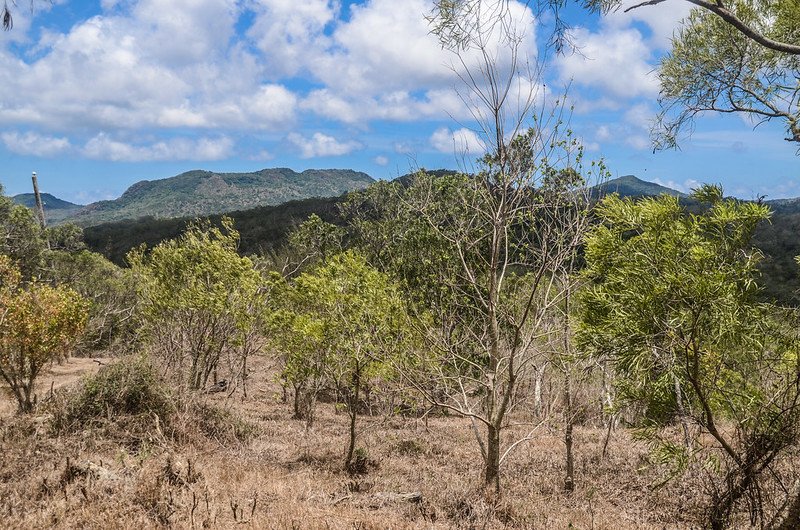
(463, 353)
(492, 349)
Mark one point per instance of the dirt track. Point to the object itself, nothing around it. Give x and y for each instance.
(55, 377)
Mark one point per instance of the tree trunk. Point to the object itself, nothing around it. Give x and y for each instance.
(352, 409)
(738, 481)
(687, 441)
(298, 395)
(491, 475)
(792, 519)
(569, 479)
(537, 393)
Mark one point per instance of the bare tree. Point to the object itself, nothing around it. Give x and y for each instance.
(513, 231)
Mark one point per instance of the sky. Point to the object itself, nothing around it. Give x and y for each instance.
(97, 95)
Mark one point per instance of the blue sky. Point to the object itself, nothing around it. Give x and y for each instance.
(96, 95)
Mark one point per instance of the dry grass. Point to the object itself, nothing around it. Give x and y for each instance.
(55, 377)
(285, 477)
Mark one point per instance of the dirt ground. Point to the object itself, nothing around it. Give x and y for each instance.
(54, 377)
(290, 477)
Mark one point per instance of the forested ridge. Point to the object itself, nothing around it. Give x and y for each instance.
(265, 230)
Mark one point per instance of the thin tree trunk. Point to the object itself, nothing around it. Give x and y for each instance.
(492, 469)
(353, 411)
(569, 479)
(537, 392)
(738, 482)
(792, 519)
(687, 441)
(569, 416)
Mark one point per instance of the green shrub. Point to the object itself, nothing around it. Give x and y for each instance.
(129, 387)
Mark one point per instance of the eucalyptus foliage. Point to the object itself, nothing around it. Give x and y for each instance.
(200, 301)
(671, 303)
(341, 324)
(714, 67)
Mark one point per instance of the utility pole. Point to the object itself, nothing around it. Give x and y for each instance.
(39, 206)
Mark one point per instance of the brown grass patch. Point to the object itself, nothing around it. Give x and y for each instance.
(246, 463)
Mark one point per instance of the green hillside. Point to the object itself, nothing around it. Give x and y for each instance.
(262, 229)
(630, 186)
(55, 209)
(201, 193)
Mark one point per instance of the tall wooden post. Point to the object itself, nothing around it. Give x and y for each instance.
(39, 206)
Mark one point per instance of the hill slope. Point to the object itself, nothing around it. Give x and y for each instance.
(55, 209)
(200, 193)
(630, 186)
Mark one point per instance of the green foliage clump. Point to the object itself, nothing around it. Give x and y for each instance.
(341, 324)
(128, 387)
(200, 301)
(671, 303)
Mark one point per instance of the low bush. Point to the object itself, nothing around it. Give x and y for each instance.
(129, 387)
(130, 402)
(221, 424)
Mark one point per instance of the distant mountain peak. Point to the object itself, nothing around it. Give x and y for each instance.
(632, 186)
(199, 193)
(55, 209)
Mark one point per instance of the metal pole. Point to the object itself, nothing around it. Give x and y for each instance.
(39, 206)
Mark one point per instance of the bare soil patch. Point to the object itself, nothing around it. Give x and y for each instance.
(54, 377)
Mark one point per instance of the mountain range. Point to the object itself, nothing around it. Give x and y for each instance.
(55, 209)
(200, 193)
(265, 229)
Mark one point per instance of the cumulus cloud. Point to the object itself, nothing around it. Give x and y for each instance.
(383, 62)
(103, 147)
(381, 160)
(31, 143)
(320, 144)
(661, 19)
(160, 64)
(461, 141)
(614, 60)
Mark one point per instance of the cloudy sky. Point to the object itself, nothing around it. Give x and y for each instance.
(96, 95)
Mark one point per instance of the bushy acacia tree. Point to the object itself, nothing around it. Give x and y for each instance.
(22, 238)
(38, 325)
(200, 301)
(109, 289)
(671, 303)
(342, 324)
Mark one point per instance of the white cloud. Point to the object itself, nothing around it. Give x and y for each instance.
(602, 133)
(394, 106)
(160, 64)
(35, 144)
(384, 63)
(685, 187)
(461, 141)
(103, 147)
(640, 116)
(291, 34)
(381, 160)
(403, 148)
(322, 145)
(662, 19)
(614, 60)
(638, 141)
